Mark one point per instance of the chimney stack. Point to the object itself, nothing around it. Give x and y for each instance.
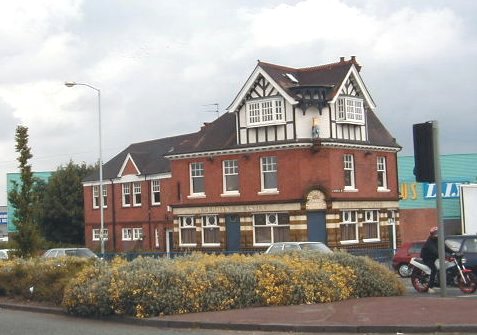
(342, 59)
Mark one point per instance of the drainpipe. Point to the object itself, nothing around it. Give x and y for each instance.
(149, 206)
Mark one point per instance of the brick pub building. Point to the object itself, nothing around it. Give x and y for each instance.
(299, 155)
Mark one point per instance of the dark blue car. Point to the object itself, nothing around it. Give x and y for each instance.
(467, 245)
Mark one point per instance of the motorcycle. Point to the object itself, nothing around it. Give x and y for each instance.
(456, 274)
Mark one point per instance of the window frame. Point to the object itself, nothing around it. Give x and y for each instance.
(345, 221)
(194, 169)
(272, 225)
(268, 165)
(265, 112)
(350, 110)
(155, 189)
(349, 168)
(381, 168)
(105, 196)
(96, 234)
(126, 234)
(137, 194)
(230, 168)
(192, 227)
(126, 195)
(138, 234)
(371, 217)
(206, 225)
(96, 196)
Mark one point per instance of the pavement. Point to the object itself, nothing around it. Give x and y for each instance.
(417, 313)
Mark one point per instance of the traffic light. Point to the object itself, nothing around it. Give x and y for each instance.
(423, 152)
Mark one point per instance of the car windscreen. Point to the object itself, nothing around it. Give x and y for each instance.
(80, 253)
(315, 247)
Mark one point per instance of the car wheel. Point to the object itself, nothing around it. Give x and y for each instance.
(404, 270)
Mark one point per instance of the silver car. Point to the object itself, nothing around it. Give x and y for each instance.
(278, 247)
(61, 252)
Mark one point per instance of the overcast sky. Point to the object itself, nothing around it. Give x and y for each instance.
(160, 63)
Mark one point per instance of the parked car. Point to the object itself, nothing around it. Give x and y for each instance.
(278, 247)
(467, 245)
(78, 252)
(4, 253)
(402, 257)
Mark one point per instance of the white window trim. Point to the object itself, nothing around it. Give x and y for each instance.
(346, 118)
(267, 224)
(105, 196)
(384, 171)
(180, 231)
(138, 234)
(95, 196)
(135, 187)
(208, 226)
(123, 194)
(377, 239)
(277, 117)
(96, 234)
(155, 188)
(224, 178)
(355, 225)
(126, 234)
(352, 187)
(191, 181)
(267, 191)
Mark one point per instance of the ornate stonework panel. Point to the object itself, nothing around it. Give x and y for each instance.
(315, 200)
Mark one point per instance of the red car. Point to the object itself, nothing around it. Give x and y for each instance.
(403, 256)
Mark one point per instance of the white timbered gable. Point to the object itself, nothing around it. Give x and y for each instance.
(264, 114)
(348, 112)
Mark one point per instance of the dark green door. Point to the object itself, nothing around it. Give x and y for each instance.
(232, 225)
(317, 227)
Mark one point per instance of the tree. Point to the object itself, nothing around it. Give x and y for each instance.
(27, 240)
(62, 211)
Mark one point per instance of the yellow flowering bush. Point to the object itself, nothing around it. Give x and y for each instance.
(148, 287)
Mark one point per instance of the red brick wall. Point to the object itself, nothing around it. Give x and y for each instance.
(416, 223)
(298, 171)
(146, 216)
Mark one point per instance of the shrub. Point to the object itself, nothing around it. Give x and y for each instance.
(87, 294)
(148, 287)
(39, 279)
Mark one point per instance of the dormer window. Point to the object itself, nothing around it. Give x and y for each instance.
(265, 112)
(350, 110)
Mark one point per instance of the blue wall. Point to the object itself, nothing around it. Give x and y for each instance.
(11, 177)
(455, 169)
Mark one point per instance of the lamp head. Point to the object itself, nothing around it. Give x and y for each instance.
(70, 83)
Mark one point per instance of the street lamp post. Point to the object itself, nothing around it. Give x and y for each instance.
(101, 196)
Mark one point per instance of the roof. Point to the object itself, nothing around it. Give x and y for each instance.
(291, 82)
(152, 157)
(148, 157)
(329, 76)
(221, 134)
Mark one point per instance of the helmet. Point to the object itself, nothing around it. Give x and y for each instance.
(433, 231)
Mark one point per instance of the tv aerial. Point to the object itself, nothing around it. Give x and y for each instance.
(215, 110)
